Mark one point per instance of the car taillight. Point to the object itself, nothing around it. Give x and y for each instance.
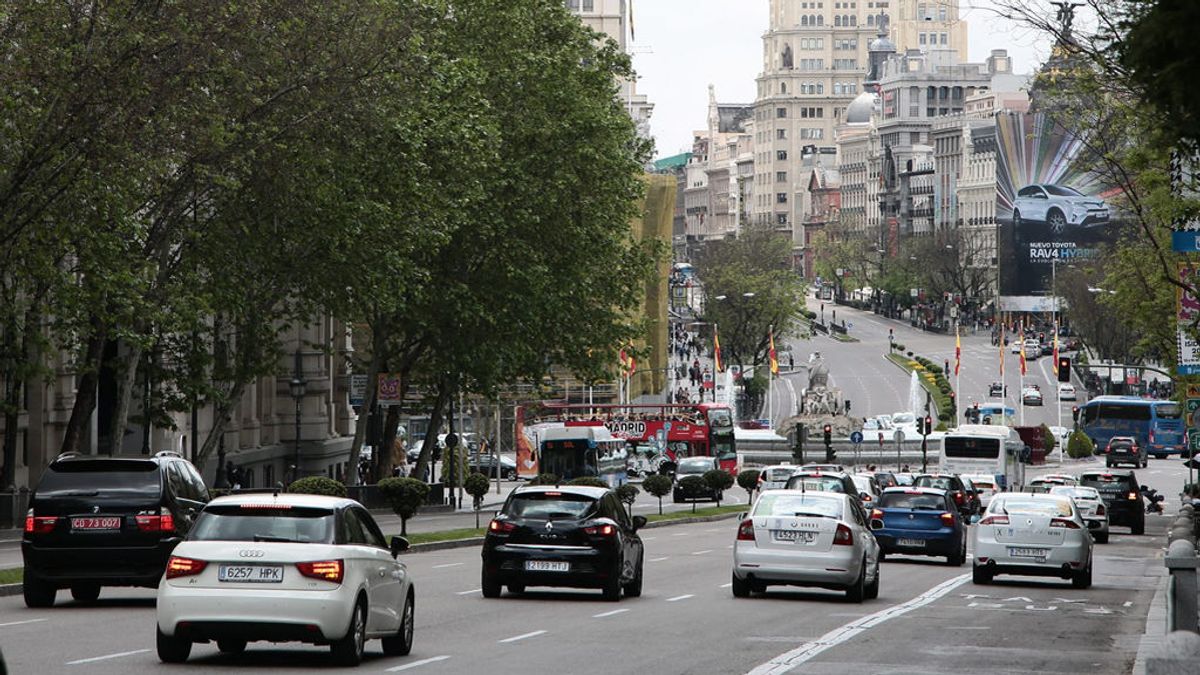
(162, 521)
(1108, 448)
(1151, 436)
(1100, 510)
(327, 570)
(39, 524)
(178, 566)
(995, 520)
(958, 497)
(843, 536)
(1133, 495)
(877, 514)
(948, 519)
(501, 526)
(746, 530)
(605, 530)
(1064, 523)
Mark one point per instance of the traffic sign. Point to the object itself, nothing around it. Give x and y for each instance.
(1195, 442)
(856, 437)
(1192, 419)
(898, 436)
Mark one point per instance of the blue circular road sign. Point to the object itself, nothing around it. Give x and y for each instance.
(856, 437)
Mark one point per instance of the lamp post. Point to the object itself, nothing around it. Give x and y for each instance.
(297, 386)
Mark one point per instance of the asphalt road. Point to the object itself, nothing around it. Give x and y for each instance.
(929, 618)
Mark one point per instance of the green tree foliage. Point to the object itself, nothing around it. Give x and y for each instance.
(545, 479)
(691, 487)
(718, 480)
(1049, 442)
(747, 479)
(627, 493)
(405, 496)
(477, 486)
(318, 485)
(659, 486)
(1156, 43)
(1079, 445)
(588, 481)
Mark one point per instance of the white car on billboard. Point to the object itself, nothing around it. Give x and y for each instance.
(1058, 207)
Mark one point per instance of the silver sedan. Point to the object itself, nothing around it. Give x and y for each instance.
(1032, 534)
(798, 538)
(1091, 508)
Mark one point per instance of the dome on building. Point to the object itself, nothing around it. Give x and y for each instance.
(860, 109)
(882, 44)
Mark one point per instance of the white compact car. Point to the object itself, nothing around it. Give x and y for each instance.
(1059, 207)
(1066, 392)
(775, 477)
(285, 568)
(1091, 508)
(795, 538)
(985, 485)
(1035, 535)
(1033, 349)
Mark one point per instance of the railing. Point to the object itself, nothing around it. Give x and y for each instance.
(1183, 594)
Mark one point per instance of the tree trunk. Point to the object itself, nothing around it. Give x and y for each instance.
(383, 454)
(435, 423)
(220, 422)
(360, 429)
(12, 411)
(127, 378)
(86, 392)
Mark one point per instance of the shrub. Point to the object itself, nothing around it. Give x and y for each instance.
(691, 487)
(659, 486)
(1048, 440)
(545, 479)
(909, 354)
(405, 496)
(718, 480)
(1079, 445)
(318, 485)
(477, 486)
(588, 481)
(747, 479)
(627, 493)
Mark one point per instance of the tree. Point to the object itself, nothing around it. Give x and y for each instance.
(717, 480)
(1049, 442)
(477, 486)
(627, 493)
(588, 481)
(405, 496)
(318, 485)
(691, 487)
(545, 479)
(659, 486)
(747, 479)
(1079, 445)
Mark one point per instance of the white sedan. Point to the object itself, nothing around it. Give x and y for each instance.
(795, 538)
(775, 477)
(285, 568)
(1035, 535)
(1066, 392)
(1091, 508)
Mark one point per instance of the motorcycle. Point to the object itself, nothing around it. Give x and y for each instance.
(1153, 499)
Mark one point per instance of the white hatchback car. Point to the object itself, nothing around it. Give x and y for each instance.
(775, 477)
(1066, 392)
(1091, 508)
(285, 568)
(796, 538)
(985, 485)
(1035, 535)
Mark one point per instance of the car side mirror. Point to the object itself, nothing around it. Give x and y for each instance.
(398, 545)
(864, 496)
(639, 522)
(1145, 488)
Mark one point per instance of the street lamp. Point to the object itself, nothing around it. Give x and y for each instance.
(297, 386)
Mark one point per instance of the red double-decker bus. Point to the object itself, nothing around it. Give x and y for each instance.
(657, 435)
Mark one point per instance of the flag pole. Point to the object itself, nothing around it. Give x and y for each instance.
(771, 379)
(1021, 371)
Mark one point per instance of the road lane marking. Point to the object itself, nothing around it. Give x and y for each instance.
(604, 614)
(649, 538)
(659, 559)
(19, 623)
(790, 659)
(707, 550)
(680, 597)
(522, 637)
(438, 567)
(1129, 603)
(473, 590)
(107, 657)
(415, 664)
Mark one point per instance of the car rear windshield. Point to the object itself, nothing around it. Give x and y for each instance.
(941, 483)
(285, 523)
(100, 478)
(695, 465)
(904, 500)
(816, 483)
(1057, 508)
(981, 484)
(798, 505)
(549, 505)
(1071, 491)
(1105, 481)
(778, 474)
(1169, 411)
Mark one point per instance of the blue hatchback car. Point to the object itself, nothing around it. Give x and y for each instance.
(920, 521)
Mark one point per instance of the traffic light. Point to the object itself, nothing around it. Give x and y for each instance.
(921, 426)
(1064, 369)
(928, 425)
(829, 453)
(1075, 413)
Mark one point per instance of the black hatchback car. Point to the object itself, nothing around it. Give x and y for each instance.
(106, 521)
(573, 536)
(1122, 497)
(1125, 450)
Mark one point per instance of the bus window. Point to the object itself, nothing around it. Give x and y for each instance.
(1168, 411)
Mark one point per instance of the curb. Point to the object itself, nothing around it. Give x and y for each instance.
(10, 589)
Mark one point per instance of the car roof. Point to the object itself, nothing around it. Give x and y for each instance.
(114, 460)
(914, 489)
(809, 493)
(284, 499)
(811, 473)
(581, 490)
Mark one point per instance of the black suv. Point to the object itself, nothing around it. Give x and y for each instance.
(1125, 450)
(573, 536)
(964, 497)
(1122, 497)
(106, 521)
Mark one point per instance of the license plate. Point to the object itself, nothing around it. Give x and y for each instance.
(802, 536)
(260, 574)
(1027, 552)
(90, 523)
(547, 566)
(919, 543)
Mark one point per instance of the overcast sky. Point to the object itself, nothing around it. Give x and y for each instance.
(684, 45)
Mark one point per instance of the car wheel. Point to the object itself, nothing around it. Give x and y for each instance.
(1145, 462)
(958, 559)
(612, 586)
(1082, 578)
(171, 649)
(491, 586)
(1139, 527)
(231, 646)
(38, 593)
(741, 587)
(516, 588)
(85, 592)
(1101, 538)
(858, 590)
(634, 588)
(1057, 221)
(401, 644)
(348, 650)
(980, 575)
(872, 590)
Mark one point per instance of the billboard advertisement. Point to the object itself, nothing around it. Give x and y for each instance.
(1051, 206)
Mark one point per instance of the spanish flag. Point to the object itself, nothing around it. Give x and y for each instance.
(771, 351)
(957, 351)
(1021, 333)
(717, 362)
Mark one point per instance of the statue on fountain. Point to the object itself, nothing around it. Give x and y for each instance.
(818, 398)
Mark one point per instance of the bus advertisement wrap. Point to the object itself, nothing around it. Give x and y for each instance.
(1050, 206)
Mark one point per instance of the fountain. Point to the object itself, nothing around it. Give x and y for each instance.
(916, 397)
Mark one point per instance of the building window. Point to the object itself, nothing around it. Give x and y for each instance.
(573, 5)
(780, 197)
(943, 38)
(781, 218)
(787, 56)
(780, 113)
(923, 12)
(781, 155)
(781, 134)
(942, 13)
(921, 38)
(783, 87)
(804, 20)
(780, 176)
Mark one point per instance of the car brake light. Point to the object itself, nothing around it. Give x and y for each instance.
(1151, 435)
(39, 524)
(958, 497)
(948, 519)
(162, 521)
(877, 514)
(178, 566)
(746, 530)
(843, 536)
(995, 520)
(1064, 523)
(1108, 448)
(1133, 495)
(605, 530)
(501, 526)
(328, 570)
(1100, 510)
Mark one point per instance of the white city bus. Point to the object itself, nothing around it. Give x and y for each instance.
(984, 449)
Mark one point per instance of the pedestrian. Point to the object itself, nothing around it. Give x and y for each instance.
(791, 361)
